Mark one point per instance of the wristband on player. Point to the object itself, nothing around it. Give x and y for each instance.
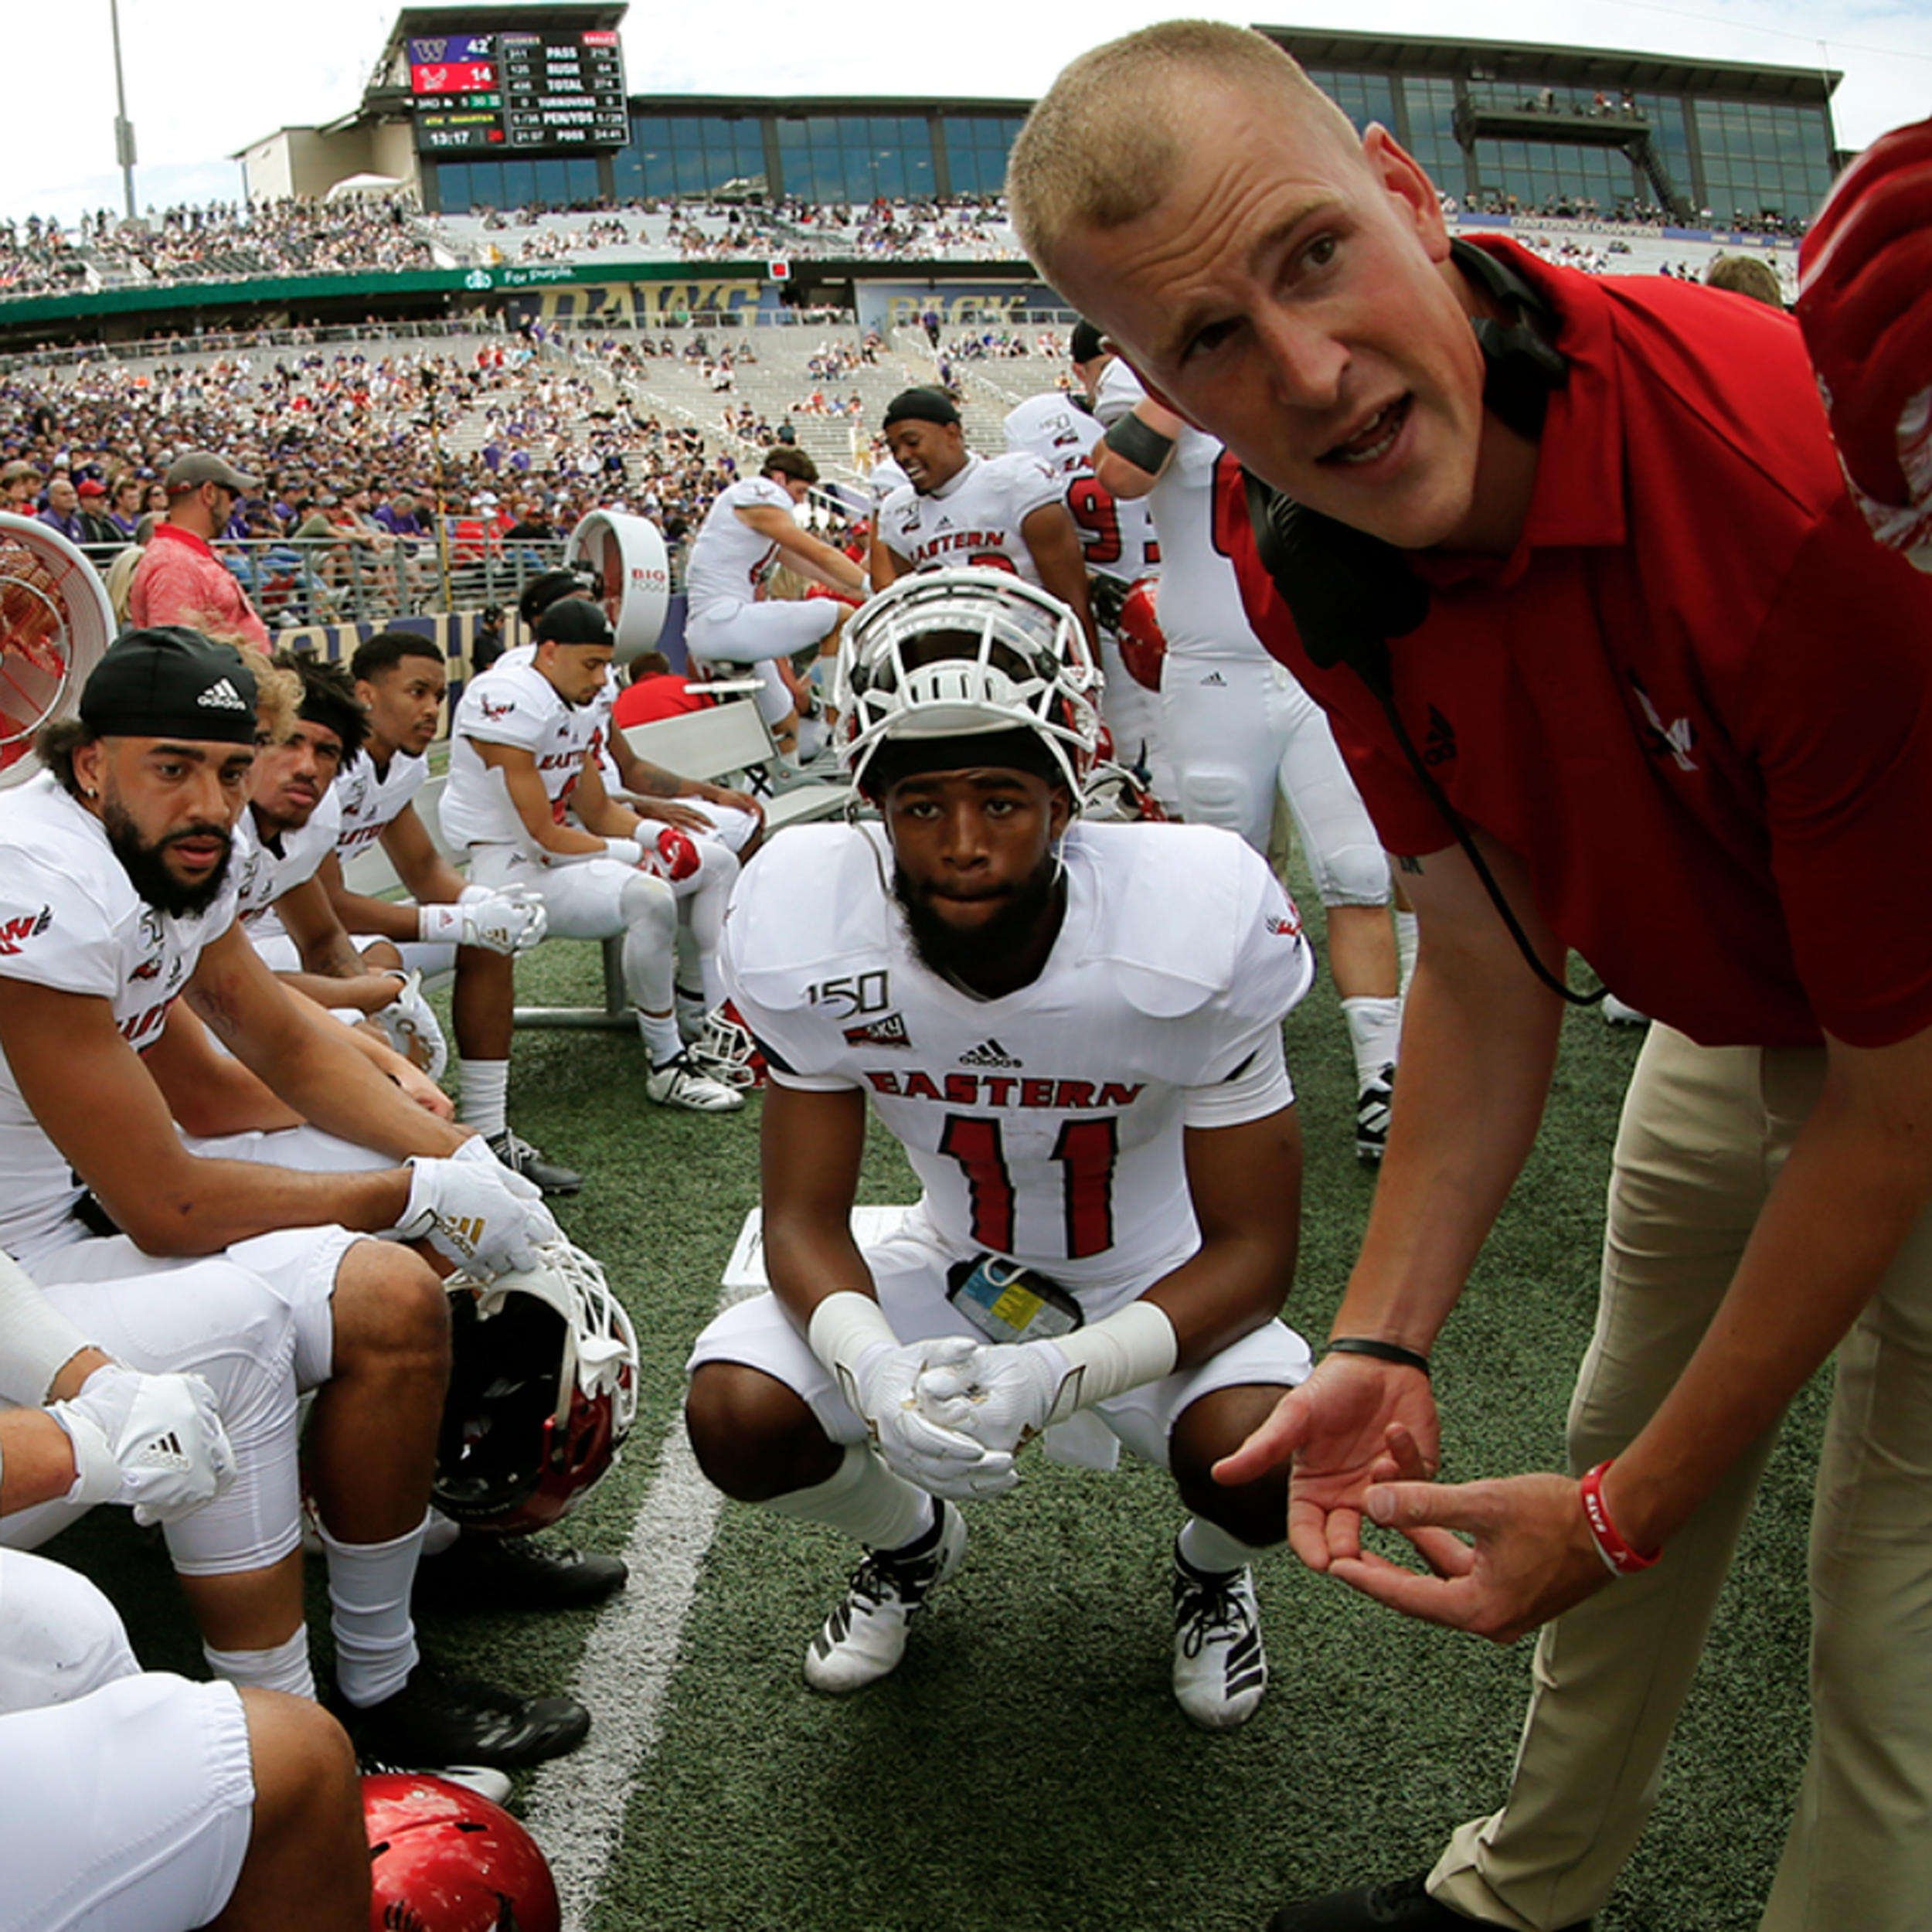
(626, 852)
(1127, 1350)
(845, 1327)
(1139, 442)
(1619, 1559)
(36, 1340)
(438, 925)
(1377, 1351)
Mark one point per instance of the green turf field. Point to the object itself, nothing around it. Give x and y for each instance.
(1026, 1770)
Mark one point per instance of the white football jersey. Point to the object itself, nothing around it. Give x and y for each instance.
(370, 801)
(1116, 537)
(71, 919)
(1118, 390)
(730, 559)
(268, 871)
(1046, 1126)
(975, 517)
(513, 705)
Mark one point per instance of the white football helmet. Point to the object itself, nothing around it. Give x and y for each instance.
(944, 653)
(544, 1390)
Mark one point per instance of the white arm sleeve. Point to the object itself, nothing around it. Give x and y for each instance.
(36, 1340)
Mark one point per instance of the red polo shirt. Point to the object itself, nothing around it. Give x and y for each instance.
(181, 580)
(1695, 699)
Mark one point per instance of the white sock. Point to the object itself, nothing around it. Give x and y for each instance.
(439, 1533)
(1210, 1549)
(1375, 1031)
(486, 1094)
(285, 1668)
(661, 1036)
(865, 1499)
(1406, 939)
(368, 1596)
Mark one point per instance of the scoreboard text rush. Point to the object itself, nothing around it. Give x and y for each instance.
(518, 92)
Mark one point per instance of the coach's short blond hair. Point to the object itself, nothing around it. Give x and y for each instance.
(1101, 146)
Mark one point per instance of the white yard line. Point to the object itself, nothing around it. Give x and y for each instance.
(578, 1804)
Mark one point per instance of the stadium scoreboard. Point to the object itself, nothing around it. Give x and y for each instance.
(527, 94)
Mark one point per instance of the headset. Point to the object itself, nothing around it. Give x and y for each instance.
(1350, 592)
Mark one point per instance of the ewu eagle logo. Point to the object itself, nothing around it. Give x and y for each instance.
(14, 932)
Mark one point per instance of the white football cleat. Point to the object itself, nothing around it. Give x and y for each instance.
(865, 1636)
(679, 1083)
(1220, 1669)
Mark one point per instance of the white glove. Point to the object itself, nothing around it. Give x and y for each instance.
(511, 920)
(940, 1460)
(410, 1026)
(1002, 1394)
(154, 1442)
(475, 1213)
(626, 852)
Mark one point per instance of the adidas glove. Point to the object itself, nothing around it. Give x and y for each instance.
(1001, 1394)
(1865, 306)
(151, 1441)
(474, 1211)
(879, 1375)
(410, 1026)
(511, 920)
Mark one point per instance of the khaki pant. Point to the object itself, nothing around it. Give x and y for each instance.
(1704, 1133)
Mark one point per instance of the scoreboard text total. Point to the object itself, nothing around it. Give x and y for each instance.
(530, 91)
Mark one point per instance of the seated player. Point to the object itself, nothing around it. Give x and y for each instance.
(143, 1802)
(523, 758)
(249, 1268)
(1076, 1033)
(400, 682)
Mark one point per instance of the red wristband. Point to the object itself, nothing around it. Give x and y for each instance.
(1617, 1555)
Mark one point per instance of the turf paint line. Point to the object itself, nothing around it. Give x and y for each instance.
(577, 1804)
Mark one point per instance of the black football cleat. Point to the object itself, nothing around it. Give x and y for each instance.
(479, 1572)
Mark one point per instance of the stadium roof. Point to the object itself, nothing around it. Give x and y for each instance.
(1532, 63)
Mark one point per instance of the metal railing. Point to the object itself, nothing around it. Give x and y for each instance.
(321, 580)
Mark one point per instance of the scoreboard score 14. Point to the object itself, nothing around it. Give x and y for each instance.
(529, 93)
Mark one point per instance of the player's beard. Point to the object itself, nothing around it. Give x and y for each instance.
(1008, 936)
(146, 865)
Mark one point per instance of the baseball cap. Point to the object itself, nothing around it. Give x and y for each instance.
(92, 487)
(572, 620)
(191, 470)
(171, 682)
(1087, 341)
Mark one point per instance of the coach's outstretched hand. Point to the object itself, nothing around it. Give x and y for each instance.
(1865, 305)
(1528, 1556)
(1353, 1423)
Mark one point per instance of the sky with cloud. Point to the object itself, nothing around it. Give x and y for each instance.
(201, 84)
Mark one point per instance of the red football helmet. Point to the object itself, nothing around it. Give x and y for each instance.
(1143, 645)
(442, 1860)
(543, 1390)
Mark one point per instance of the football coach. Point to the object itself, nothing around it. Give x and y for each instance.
(1590, 540)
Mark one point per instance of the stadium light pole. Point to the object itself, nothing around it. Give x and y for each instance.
(123, 127)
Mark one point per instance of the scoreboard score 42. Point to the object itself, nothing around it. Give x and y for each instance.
(530, 94)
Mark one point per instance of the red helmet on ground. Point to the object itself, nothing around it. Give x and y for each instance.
(543, 1390)
(443, 1859)
(1143, 645)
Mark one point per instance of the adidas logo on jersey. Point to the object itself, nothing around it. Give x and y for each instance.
(222, 696)
(15, 933)
(889, 1032)
(988, 1054)
(1438, 746)
(1214, 681)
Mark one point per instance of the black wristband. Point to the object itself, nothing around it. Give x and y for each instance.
(1140, 443)
(1378, 1351)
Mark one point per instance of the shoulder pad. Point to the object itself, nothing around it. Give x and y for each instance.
(827, 898)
